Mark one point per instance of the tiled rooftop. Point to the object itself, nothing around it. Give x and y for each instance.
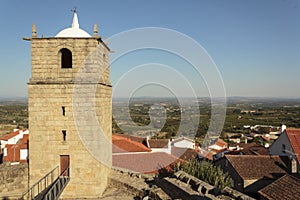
(184, 153)
(10, 135)
(251, 149)
(123, 144)
(143, 162)
(206, 154)
(221, 143)
(258, 166)
(132, 137)
(294, 137)
(285, 188)
(160, 143)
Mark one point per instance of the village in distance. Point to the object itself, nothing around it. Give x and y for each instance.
(161, 100)
(260, 140)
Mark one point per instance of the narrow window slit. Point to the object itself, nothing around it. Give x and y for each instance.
(64, 132)
(63, 111)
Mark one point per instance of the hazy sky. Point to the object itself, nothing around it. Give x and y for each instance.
(254, 43)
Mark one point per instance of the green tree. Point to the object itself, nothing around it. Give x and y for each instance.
(205, 171)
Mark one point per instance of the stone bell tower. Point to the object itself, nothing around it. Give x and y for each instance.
(70, 110)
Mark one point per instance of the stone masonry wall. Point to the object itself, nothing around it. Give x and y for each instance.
(14, 180)
(46, 58)
(84, 99)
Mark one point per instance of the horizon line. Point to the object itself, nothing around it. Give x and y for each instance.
(186, 97)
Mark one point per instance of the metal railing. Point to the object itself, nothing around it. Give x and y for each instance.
(41, 185)
(59, 185)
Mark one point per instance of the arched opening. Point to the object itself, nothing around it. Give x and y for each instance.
(66, 58)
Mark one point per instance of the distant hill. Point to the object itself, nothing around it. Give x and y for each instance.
(13, 100)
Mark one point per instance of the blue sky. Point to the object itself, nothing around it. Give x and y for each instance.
(254, 43)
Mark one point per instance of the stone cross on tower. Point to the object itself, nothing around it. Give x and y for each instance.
(74, 9)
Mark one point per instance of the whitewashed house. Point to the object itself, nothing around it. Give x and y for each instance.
(13, 137)
(183, 142)
(159, 145)
(288, 144)
(15, 147)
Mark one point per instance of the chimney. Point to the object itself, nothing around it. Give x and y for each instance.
(148, 138)
(283, 127)
(169, 146)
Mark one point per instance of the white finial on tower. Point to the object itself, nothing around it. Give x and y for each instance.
(73, 31)
(75, 23)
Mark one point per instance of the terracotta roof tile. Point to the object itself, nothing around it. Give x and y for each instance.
(122, 145)
(144, 162)
(251, 149)
(132, 137)
(10, 135)
(221, 143)
(206, 154)
(215, 151)
(159, 143)
(184, 153)
(266, 138)
(258, 166)
(294, 137)
(209, 156)
(13, 150)
(285, 188)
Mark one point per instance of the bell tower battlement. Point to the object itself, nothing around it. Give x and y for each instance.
(58, 59)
